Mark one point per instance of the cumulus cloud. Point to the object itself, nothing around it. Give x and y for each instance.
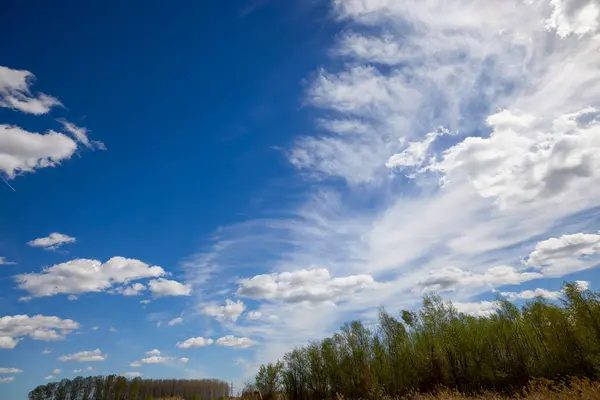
(154, 352)
(23, 151)
(39, 327)
(451, 278)
(156, 360)
(49, 377)
(83, 276)
(231, 310)
(15, 93)
(46, 351)
(165, 287)
(315, 285)
(56, 371)
(192, 343)
(532, 294)
(235, 342)
(132, 374)
(80, 370)
(85, 356)
(254, 315)
(133, 290)
(7, 379)
(10, 371)
(566, 254)
(52, 241)
(135, 364)
(4, 261)
(184, 360)
(175, 321)
(477, 309)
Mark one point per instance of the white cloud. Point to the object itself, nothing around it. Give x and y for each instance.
(15, 93)
(314, 285)
(95, 328)
(39, 327)
(79, 370)
(522, 160)
(133, 290)
(147, 301)
(10, 371)
(451, 278)
(56, 371)
(175, 321)
(7, 379)
(81, 135)
(574, 17)
(4, 261)
(49, 377)
(156, 360)
(23, 151)
(184, 360)
(52, 241)
(566, 254)
(85, 356)
(231, 310)
(112, 329)
(135, 364)
(192, 343)
(164, 287)
(154, 352)
(46, 351)
(132, 374)
(236, 342)
(478, 309)
(83, 276)
(583, 285)
(254, 315)
(531, 294)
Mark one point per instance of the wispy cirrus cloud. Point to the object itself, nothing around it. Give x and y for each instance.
(455, 139)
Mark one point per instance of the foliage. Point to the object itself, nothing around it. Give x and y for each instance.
(440, 347)
(114, 387)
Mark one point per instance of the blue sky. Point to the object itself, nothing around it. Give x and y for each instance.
(192, 191)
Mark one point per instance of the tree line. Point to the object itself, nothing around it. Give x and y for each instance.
(115, 387)
(438, 346)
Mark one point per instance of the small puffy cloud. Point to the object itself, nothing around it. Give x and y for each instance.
(566, 254)
(132, 374)
(52, 242)
(81, 135)
(7, 379)
(156, 360)
(71, 297)
(583, 285)
(165, 287)
(4, 261)
(192, 343)
(452, 278)
(23, 151)
(49, 377)
(10, 371)
(312, 285)
(477, 309)
(254, 315)
(154, 352)
(84, 276)
(39, 327)
(147, 301)
(184, 360)
(236, 342)
(15, 93)
(175, 321)
(112, 329)
(79, 370)
(56, 371)
(46, 351)
(85, 356)
(532, 294)
(135, 364)
(133, 290)
(231, 310)
(95, 328)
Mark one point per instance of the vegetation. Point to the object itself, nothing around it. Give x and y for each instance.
(120, 388)
(438, 347)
